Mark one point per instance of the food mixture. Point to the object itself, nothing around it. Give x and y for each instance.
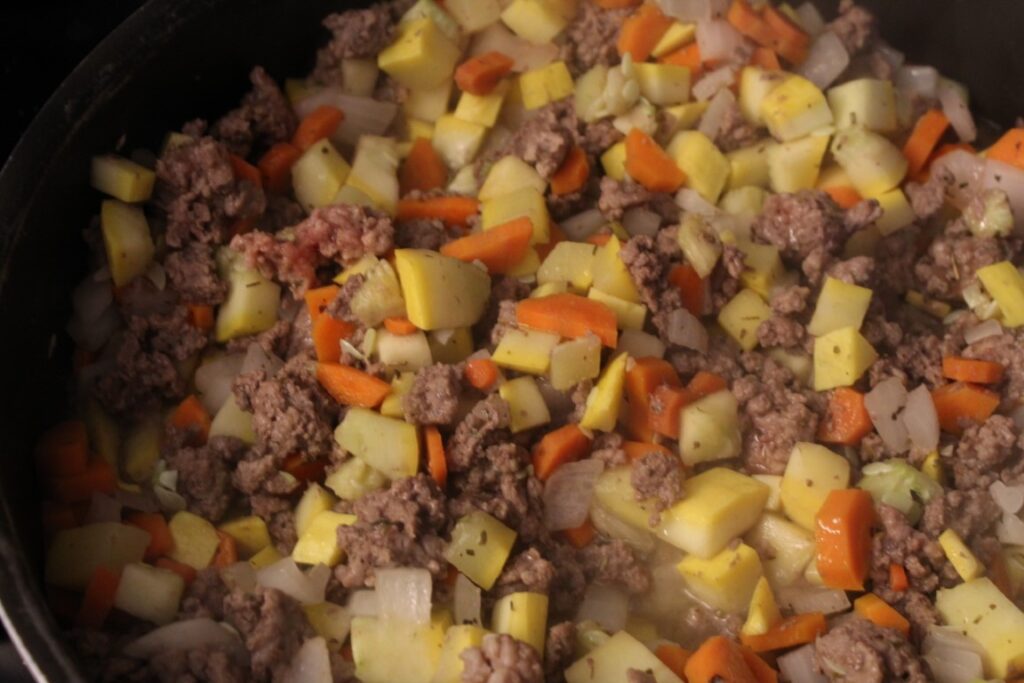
(554, 340)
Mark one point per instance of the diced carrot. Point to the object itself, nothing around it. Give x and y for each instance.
(437, 461)
(718, 658)
(646, 375)
(191, 415)
(481, 373)
(705, 383)
(481, 74)
(98, 477)
(791, 631)
(790, 41)
(599, 240)
(423, 169)
(762, 672)
(200, 316)
(635, 450)
(846, 419)
(327, 334)
(276, 166)
(58, 517)
(63, 451)
(750, 23)
(1009, 149)
(318, 299)
(160, 540)
(245, 171)
(318, 124)
(879, 612)
(572, 175)
(227, 551)
(898, 578)
(674, 657)
(843, 195)
(401, 326)
(186, 572)
(581, 536)
(616, 4)
(649, 165)
(304, 469)
(501, 248)
(452, 211)
(765, 58)
(959, 401)
(691, 286)
(350, 386)
(843, 538)
(927, 132)
(99, 598)
(688, 56)
(666, 406)
(571, 316)
(565, 444)
(971, 370)
(642, 31)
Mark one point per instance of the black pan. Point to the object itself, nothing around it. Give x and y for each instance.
(177, 59)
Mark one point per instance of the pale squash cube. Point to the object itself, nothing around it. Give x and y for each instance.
(614, 494)
(232, 421)
(387, 445)
(763, 612)
(773, 482)
(354, 479)
(812, 472)
(454, 349)
(840, 305)
(265, 557)
(763, 267)
(628, 315)
(404, 352)
(141, 450)
(474, 15)
(748, 166)
(526, 405)
(421, 57)
(538, 21)
(524, 203)
(458, 141)
(441, 292)
(574, 361)
(741, 317)
(755, 85)
(896, 212)
(526, 351)
(709, 429)
(706, 168)
(840, 358)
(744, 203)
(867, 102)
(980, 610)
(602, 410)
(195, 540)
(794, 165)
(318, 175)
(250, 534)
(318, 544)
(508, 175)
(725, 581)
(699, 243)
(960, 556)
(127, 240)
(546, 84)
(787, 548)
(74, 554)
(457, 640)
(678, 35)
(359, 76)
(375, 171)
(251, 306)
(331, 622)
(1006, 285)
(121, 178)
(379, 297)
(149, 593)
(611, 275)
(613, 161)
(396, 651)
(611, 661)
(874, 164)
(663, 84)
(479, 548)
(429, 103)
(794, 109)
(570, 262)
(315, 499)
(523, 616)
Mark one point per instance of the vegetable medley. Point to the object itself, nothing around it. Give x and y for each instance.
(554, 340)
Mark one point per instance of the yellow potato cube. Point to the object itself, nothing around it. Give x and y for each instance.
(74, 554)
(231, 420)
(474, 15)
(359, 76)
(428, 104)
(1006, 285)
(549, 288)
(546, 84)
(611, 275)
(755, 85)
(628, 315)
(318, 544)
(725, 581)
(375, 171)
(570, 262)
(797, 362)
(699, 243)
(811, 473)
(314, 501)
(960, 556)
(195, 540)
(387, 445)
(265, 557)
(525, 403)
(441, 292)
(840, 358)
(127, 240)
(897, 212)
(611, 661)
(663, 84)
(528, 266)
(395, 650)
(455, 349)
(874, 164)
(605, 399)
(364, 265)
(867, 102)
(681, 117)
(141, 450)
(508, 175)
(416, 129)
(709, 429)
(318, 175)
(763, 612)
(707, 169)
(614, 161)
(250, 534)
(980, 610)
(251, 306)
(406, 352)
(457, 640)
(614, 494)
(787, 548)
(149, 593)
(574, 361)
(794, 109)
(458, 141)
(840, 305)
(526, 351)
(773, 482)
(354, 479)
(794, 165)
(421, 57)
(479, 548)
(678, 35)
(524, 203)
(331, 622)
(749, 166)
(538, 21)
(744, 202)
(741, 317)
(523, 616)
(122, 178)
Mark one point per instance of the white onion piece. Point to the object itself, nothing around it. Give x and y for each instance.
(1010, 499)
(826, 60)
(239, 576)
(363, 604)
(917, 81)
(191, 634)
(639, 344)
(894, 57)
(466, 601)
(103, 508)
(883, 404)
(717, 39)
(157, 275)
(921, 420)
(952, 656)
(311, 664)
(605, 605)
(91, 336)
(404, 594)
(612, 526)
(641, 221)
(714, 115)
(984, 330)
(363, 115)
(524, 54)
(583, 225)
(1009, 179)
(1010, 530)
(962, 174)
(691, 202)
(257, 358)
(214, 379)
(285, 576)
(799, 666)
(686, 330)
(810, 18)
(569, 492)
(804, 599)
(91, 299)
(715, 81)
(954, 105)
(444, 336)
(687, 10)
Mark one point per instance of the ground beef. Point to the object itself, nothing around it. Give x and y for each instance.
(500, 483)
(953, 258)
(282, 212)
(607, 447)
(780, 331)
(485, 424)
(971, 514)
(615, 562)
(273, 627)
(599, 136)
(859, 270)
(204, 474)
(264, 117)
(503, 289)
(983, 450)
(774, 417)
(421, 234)
(649, 266)
(703, 623)
(855, 27)
(1007, 349)
(559, 651)
(204, 596)
(862, 214)
(197, 190)
(807, 227)
(858, 651)
(433, 398)
(544, 139)
(355, 34)
(790, 299)
(657, 476)
(213, 664)
(569, 583)
(637, 676)
(277, 512)
(619, 195)
(897, 542)
(895, 256)
(274, 341)
(590, 39)
(501, 659)
(401, 526)
(192, 273)
(526, 572)
(735, 131)
(926, 199)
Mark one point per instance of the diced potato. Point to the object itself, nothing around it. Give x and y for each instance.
(103, 431)
(526, 351)
(605, 399)
(314, 501)
(980, 610)
(474, 15)
(375, 171)
(628, 315)
(251, 306)
(432, 10)
(359, 76)
(960, 556)
(379, 297)
(429, 103)
(840, 305)
(574, 361)
(141, 450)
(709, 429)
(523, 616)
(318, 544)
(318, 175)
(1006, 285)
(195, 539)
(406, 352)
(763, 267)
(127, 240)
(416, 129)
(526, 404)
(874, 164)
(149, 593)
(896, 211)
(725, 581)
(797, 362)
(699, 243)
(787, 549)
(615, 495)
(706, 168)
(421, 57)
(794, 109)
(611, 275)
(75, 553)
(741, 317)
(570, 262)
(354, 479)
(612, 660)
(479, 548)
(755, 85)
(231, 420)
(122, 178)
(364, 265)
(441, 292)
(265, 557)
(678, 35)
(867, 102)
(524, 203)
(744, 202)
(528, 266)
(549, 288)
(396, 651)
(812, 472)
(457, 640)
(719, 505)
(250, 534)
(614, 161)
(840, 358)
(794, 165)
(681, 117)
(387, 445)
(763, 612)
(508, 175)
(538, 21)
(454, 348)
(330, 621)
(748, 166)
(773, 482)
(458, 141)
(663, 84)
(546, 84)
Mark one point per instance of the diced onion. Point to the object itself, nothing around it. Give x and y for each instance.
(962, 173)
(1010, 499)
(1010, 530)
(444, 336)
(641, 221)
(921, 420)
(466, 601)
(583, 225)
(285, 576)
(826, 60)
(103, 508)
(318, 576)
(612, 526)
(687, 10)
(691, 202)
(686, 330)
(568, 493)
(955, 107)
(1010, 179)
(170, 501)
(91, 299)
(363, 115)
(810, 18)
(894, 57)
(717, 39)
(91, 336)
(404, 594)
(180, 636)
(805, 599)
(984, 330)
(363, 604)
(884, 403)
(239, 576)
(605, 605)
(799, 666)
(952, 656)
(639, 344)
(917, 82)
(524, 54)
(311, 664)
(715, 81)
(214, 379)
(714, 116)
(257, 358)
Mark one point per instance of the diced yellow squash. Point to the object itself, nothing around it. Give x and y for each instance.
(605, 399)
(628, 315)
(678, 35)
(718, 506)
(706, 168)
(350, 194)
(375, 171)
(508, 175)
(681, 117)
(611, 275)
(549, 288)
(538, 21)
(354, 479)
(318, 544)
(833, 175)
(379, 297)
(149, 593)
(127, 240)
(528, 266)
(523, 616)
(787, 548)
(141, 450)
(457, 640)
(330, 621)
(479, 548)
(546, 84)
(465, 182)
(416, 129)
(709, 429)
(318, 175)
(755, 85)
(773, 482)
(395, 650)
(960, 556)
(526, 351)
(741, 317)
(429, 103)
(663, 84)
(840, 305)
(725, 581)
(295, 90)
(195, 539)
(611, 661)
(523, 203)
(421, 57)
(433, 10)
(231, 420)
(525, 403)
(763, 267)
(797, 362)
(359, 76)
(454, 349)
(314, 500)
(867, 102)
(75, 553)
(614, 494)
(251, 306)
(1006, 285)
(387, 445)
(932, 467)
(874, 164)
(574, 361)
(980, 610)
(811, 473)
(794, 109)
(763, 612)
(840, 358)
(458, 141)
(250, 534)
(699, 243)
(644, 630)
(103, 431)
(364, 265)
(441, 292)
(122, 178)
(896, 211)
(748, 166)
(743, 202)
(474, 15)
(613, 161)
(794, 165)
(570, 262)
(265, 557)
(405, 352)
